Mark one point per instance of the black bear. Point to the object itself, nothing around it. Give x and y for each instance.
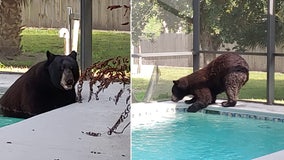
(228, 72)
(45, 86)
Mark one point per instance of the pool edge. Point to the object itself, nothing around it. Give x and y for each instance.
(242, 109)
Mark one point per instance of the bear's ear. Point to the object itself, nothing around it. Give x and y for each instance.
(175, 82)
(73, 54)
(50, 56)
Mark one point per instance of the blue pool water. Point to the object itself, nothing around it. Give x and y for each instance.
(198, 136)
(4, 121)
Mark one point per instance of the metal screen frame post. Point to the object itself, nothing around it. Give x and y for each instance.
(270, 53)
(196, 36)
(86, 34)
(69, 24)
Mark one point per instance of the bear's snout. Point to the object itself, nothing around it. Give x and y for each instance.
(174, 98)
(70, 81)
(67, 79)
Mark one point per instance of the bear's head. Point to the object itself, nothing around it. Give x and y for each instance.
(63, 70)
(179, 90)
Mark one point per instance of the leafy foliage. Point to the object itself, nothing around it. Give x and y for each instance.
(152, 29)
(2, 65)
(142, 12)
(242, 22)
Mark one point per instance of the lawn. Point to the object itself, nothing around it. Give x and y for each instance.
(35, 42)
(254, 90)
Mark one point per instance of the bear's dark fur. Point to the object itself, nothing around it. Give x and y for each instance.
(228, 72)
(45, 86)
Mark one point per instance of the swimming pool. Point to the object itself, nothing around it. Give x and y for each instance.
(206, 136)
(4, 121)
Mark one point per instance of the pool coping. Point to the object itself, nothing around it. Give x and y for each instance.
(242, 109)
(250, 110)
(154, 111)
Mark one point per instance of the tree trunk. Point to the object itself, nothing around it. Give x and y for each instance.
(10, 27)
(209, 41)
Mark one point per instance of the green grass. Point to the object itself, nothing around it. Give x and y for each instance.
(163, 89)
(35, 42)
(110, 44)
(254, 90)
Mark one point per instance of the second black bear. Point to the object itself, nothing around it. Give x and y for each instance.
(228, 72)
(45, 86)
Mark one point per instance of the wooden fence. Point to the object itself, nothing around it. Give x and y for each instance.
(169, 44)
(53, 14)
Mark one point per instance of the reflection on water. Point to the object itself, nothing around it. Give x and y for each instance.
(6, 80)
(2, 91)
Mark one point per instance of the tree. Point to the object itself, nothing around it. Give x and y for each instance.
(176, 14)
(250, 19)
(10, 27)
(241, 22)
(142, 12)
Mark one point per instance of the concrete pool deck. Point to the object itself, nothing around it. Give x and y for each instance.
(60, 134)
